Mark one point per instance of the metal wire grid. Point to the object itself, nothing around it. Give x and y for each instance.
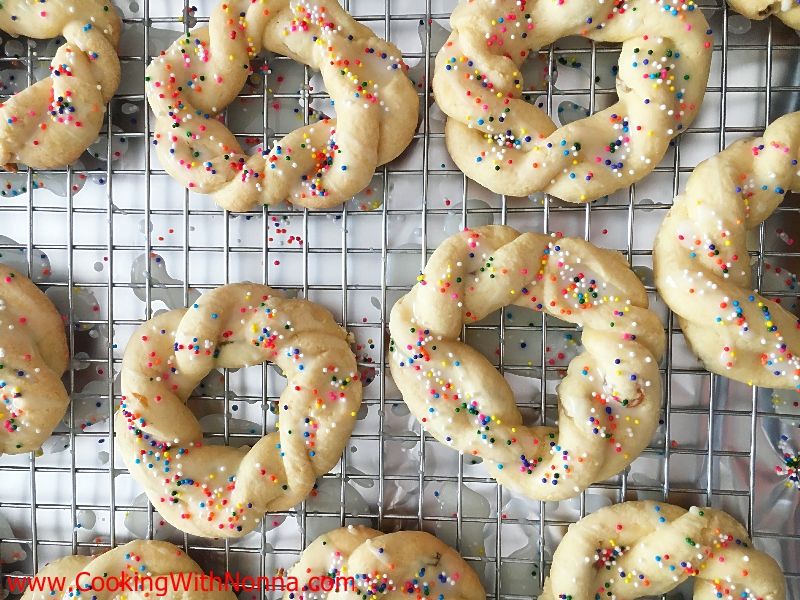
(380, 13)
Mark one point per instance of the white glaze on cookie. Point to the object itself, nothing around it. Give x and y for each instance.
(144, 559)
(513, 147)
(392, 565)
(637, 549)
(787, 11)
(702, 267)
(33, 356)
(221, 491)
(610, 400)
(317, 166)
(50, 123)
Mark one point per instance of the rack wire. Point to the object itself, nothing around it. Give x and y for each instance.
(361, 248)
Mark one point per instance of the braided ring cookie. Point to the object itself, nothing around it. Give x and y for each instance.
(391, 565)
(787, 11)
(168, 568)
(33, 356)
(316, 166)
(637, 549)
(702, 268)
(52, 122)
(610, 400)
(220, 491)
(512, 147)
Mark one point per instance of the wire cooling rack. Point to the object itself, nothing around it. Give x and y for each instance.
(113, 240)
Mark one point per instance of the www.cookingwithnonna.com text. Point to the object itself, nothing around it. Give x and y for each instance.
(163, 584)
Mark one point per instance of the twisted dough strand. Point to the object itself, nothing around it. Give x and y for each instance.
(33, 356)
(159, 560)
(50, 123)
(609, 401)
(787, 11)
(637, 549)
(391, 565)
(316, 166)
(512, 147)
(702, 266)
(221, 491)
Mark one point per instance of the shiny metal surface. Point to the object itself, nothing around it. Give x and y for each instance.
(125, 242)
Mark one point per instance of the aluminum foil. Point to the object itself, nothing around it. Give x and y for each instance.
(159, 247)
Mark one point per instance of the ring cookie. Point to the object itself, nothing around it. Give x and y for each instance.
(637, 549)
(610, 399)
(365, 563)
(33, 357)
(317, 166)
(787, 11)
(703, 270)
(512, 147)
(155, 569)
(50, 123)
(221, 491)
